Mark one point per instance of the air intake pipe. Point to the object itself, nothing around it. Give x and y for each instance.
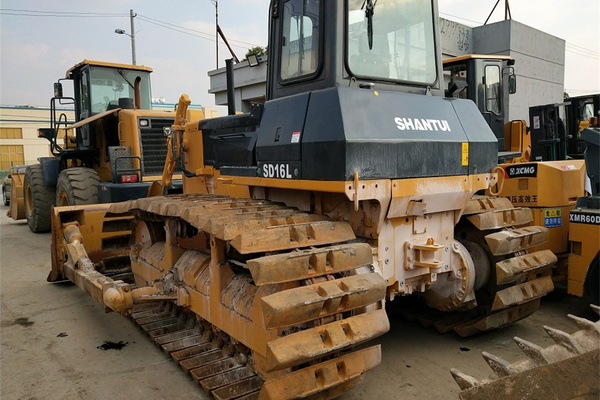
(230, 87)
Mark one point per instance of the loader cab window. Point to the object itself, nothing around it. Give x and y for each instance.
(493, 90)
(391, 40)
(587, 111)
(455, 79)
(108, 85)
(84, 101)
(300, 49)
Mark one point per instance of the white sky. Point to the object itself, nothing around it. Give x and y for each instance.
(176, 39)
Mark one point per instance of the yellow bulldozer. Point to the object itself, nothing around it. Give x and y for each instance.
(353, 184)
(112, 151)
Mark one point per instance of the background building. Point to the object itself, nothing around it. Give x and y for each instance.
(19, 142)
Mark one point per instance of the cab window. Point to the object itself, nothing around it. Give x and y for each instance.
(300, 51)
(391, 40)
(493, 92)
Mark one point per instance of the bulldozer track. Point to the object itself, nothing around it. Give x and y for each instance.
(254, 299)
(212, 362)
(567, 369)
(270, 301)
(491, 228)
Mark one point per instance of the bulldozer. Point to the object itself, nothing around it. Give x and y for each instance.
(353, 184)
(112, 152)
(544, 163)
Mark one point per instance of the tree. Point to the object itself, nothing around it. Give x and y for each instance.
(258, 50)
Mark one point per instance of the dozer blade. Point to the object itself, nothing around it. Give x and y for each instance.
(501, 218)
(522, 293)
(512, 240)
(306, 303)
(516, 268)
(317, 378)
(304, 346)
(311, 263)
(482, 204)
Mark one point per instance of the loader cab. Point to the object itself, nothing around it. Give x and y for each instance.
(376, 45)
(487, 81)
(99, 87)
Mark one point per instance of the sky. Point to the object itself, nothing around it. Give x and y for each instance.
(41, 39)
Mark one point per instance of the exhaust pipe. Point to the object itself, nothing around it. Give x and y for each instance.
(230, 87)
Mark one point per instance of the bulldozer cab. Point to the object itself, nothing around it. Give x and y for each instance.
(379, 45)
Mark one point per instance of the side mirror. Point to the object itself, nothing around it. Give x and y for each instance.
(457, 87)
(58, 90)
(512, 84)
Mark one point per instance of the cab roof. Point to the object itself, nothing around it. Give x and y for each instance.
(107, 64)
(475, 57)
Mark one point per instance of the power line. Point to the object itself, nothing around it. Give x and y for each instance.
(177, 28)
(581, 51)
(582, 48)
(464, 19)
(154, 21)
(55, 14)
(189, 31)
(583, 54)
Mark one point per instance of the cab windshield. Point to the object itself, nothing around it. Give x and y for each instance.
(108, 85)
(391, 40)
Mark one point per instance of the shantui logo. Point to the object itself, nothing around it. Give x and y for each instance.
(422, 124)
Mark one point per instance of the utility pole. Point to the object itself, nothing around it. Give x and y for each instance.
(216, 3)
(131, 16)
(132, 35)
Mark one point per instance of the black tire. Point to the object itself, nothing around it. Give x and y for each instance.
(77, 186)
(38, 199)
(592, 282)
(5, 199)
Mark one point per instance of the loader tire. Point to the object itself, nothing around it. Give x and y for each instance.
(77, 186)
(592, 282)
(38, 199)
(5, 199)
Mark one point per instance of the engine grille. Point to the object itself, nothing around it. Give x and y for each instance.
(154, 145)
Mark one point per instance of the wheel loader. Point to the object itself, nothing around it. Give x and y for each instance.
(544, 163)
(112, 152)
(353, 184)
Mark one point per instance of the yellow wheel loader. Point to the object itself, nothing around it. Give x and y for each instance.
(112, 151)
(352, 184)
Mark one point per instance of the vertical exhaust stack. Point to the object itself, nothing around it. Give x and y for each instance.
(230, 86)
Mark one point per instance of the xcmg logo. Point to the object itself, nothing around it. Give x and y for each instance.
(521, 171)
